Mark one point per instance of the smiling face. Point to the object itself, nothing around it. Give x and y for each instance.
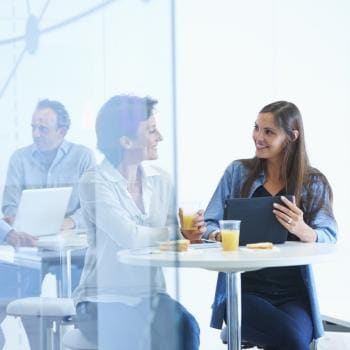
(144, 146)
(270, 140)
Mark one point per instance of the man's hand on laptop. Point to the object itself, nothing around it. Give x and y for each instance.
(68, 224)
(17, 239)
(9, 219)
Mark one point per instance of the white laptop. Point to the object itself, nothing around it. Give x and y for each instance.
(41, 211)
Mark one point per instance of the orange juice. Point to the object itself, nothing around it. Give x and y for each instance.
(230, 240)
(187, 222)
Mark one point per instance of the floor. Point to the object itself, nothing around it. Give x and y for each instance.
(331, 341)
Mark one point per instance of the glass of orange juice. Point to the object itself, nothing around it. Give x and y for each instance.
(229, 230)
(189, 211)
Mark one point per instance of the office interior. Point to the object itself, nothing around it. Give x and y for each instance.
(211, 65)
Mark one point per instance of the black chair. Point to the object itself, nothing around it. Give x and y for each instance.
(244, 344)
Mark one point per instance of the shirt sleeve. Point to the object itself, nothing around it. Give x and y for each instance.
(13, 186)
(323, 221)
(100, 208)
(5, 228)
(78, 219)
(88, 162)
(215, 208)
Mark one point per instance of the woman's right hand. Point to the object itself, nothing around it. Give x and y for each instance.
(198, 223)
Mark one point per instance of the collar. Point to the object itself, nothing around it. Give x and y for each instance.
(259, 181)
(64, 147)
(112, 174)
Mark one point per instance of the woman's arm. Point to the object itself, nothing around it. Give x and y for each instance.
(216, 206)
(106, 212)
(322, 226)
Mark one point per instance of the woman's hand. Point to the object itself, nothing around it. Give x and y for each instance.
(198, 224)
(292, 218)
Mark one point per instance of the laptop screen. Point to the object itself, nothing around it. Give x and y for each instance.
(41, 211)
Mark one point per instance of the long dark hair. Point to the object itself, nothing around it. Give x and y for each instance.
(296, 173)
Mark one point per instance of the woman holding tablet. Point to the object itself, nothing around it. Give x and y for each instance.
(279, 305)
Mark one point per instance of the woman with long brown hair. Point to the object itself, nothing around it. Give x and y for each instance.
(279, 305)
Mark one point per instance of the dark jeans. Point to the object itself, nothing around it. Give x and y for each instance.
(156, 323)
(276, 326)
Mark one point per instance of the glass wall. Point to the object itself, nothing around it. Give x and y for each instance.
(85, 83)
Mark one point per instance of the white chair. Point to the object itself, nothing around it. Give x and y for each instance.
(75, 340)
(53, 313)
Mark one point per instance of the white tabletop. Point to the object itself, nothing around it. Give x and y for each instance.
(63, 241)
(287, 254)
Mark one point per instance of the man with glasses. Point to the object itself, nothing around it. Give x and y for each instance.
(50, 161)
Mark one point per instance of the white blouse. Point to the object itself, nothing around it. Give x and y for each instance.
(114, 223)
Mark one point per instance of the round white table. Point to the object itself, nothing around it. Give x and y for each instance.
(233, 263)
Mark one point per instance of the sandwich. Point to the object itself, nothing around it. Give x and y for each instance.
(260, 245)
(180, 245)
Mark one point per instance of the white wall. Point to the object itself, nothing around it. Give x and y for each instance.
(233, 58)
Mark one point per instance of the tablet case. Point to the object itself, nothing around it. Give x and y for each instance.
(258, 222)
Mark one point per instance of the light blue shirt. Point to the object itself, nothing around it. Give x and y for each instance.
(5, 228)
(323, 223)
(27, 170)
(230, 186)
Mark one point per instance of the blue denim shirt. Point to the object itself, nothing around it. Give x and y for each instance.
(26, 171)
(323, 223)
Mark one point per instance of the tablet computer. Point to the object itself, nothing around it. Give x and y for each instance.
(258, 222)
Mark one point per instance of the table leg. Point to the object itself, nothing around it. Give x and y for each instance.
(69, 272)
(66, 273)
(233, 310)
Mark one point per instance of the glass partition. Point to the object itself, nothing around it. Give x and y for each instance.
(87, 170)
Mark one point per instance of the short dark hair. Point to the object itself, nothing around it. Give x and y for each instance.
(63, 119)
(120, 116)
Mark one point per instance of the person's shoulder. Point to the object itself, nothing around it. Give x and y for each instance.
(154, 170)
(315, 175)
(21, 153)
(92, 175)
(239, 165)
(157, 174)
(77, 147)
(316, 179)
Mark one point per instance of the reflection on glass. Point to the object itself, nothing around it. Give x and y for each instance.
(50, 161)
(128, 204)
